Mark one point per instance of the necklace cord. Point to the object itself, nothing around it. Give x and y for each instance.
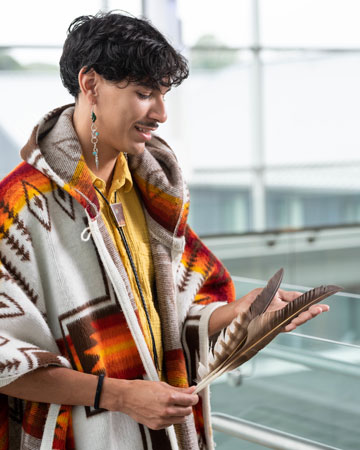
(122, 234)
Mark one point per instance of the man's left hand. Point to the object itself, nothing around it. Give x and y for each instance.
(223, 316)
(280, 300)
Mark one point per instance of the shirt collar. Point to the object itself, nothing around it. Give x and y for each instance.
(122, 178)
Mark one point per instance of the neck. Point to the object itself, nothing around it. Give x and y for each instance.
(107, 157)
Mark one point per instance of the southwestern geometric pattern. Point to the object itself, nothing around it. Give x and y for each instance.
(64, 200)
(37, 204)
(12, 274)
(98, 340)
(39, 358)
(3, 340)
(9, 365)
(15, 244)
(14, 217)
(9, 307)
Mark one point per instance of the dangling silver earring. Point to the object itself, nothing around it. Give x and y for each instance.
(94, 138)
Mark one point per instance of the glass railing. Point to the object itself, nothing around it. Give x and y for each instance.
(300, 392)
(310, 257)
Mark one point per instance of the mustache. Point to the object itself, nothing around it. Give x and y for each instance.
(154, 125)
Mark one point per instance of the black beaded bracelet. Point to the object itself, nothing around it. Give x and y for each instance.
(98, 390)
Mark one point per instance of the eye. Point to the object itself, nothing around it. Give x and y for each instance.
(143, 96)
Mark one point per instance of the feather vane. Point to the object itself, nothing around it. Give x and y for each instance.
(263, 300)
(233, 337)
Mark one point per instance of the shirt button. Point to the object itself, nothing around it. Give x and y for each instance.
(98, 184)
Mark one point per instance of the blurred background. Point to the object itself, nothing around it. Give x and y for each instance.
(267, 131)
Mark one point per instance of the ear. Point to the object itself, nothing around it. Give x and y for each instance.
(88, 82)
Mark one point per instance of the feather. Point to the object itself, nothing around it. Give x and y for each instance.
(257, 331)
(263, 300)
(229, 340)
(233, 336)
(263, 329)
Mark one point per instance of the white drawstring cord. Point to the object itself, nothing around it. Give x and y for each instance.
(85, 237)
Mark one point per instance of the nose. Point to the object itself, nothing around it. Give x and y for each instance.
(158, 110)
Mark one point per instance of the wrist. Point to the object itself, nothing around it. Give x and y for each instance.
(238, 307)
(113, 393)
(222, 317)
(98, 391)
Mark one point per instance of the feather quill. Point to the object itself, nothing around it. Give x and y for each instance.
(257, 330)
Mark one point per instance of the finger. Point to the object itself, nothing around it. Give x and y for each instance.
(179, 411)
(288, 296)
(315, 310)
(164, 423)
(172, 420)
(312, 312)
(304, 317)
(323, 308)
(290, 327)
(183, 399)
(188, 390)
(300, 320)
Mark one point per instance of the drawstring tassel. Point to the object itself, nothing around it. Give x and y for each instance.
(86, 234)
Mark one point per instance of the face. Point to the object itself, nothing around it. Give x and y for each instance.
(127, 114)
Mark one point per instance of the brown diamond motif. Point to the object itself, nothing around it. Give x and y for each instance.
(64, 200)
(37, 204)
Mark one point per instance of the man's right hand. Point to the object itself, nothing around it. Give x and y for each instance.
(152, 403)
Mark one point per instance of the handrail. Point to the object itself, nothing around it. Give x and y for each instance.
(325, 340)
(283, 231)
(315, 361)
(262, 435)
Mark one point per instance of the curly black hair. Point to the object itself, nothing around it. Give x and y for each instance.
(120, 47)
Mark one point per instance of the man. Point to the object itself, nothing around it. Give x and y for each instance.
(104, 287)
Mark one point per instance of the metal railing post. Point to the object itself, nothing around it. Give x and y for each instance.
(258, 182)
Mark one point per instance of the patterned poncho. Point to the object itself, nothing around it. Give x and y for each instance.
(65, 298)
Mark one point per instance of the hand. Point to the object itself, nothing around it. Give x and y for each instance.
(152, 403)
(280, 300)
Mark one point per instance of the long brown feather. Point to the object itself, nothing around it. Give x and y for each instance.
(263, 300)
(263, 329)
(232, 337)
(228, 342)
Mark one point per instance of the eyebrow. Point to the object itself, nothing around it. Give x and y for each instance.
(146, 86)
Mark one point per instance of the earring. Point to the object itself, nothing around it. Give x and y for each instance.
(94, 138)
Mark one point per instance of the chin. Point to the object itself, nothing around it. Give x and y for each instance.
(137, 150)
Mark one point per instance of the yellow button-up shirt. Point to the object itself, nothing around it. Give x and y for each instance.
(136, 233)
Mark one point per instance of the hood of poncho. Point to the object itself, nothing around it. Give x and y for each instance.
(54, 149)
